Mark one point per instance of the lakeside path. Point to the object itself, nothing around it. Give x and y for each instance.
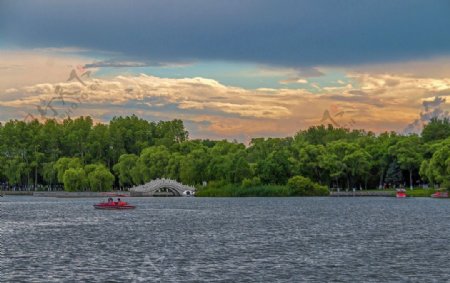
(63, 194)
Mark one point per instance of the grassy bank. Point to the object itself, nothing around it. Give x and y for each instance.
(279, 191)
(416, 192)
(255, 191)
(237, 191)
(420, 192)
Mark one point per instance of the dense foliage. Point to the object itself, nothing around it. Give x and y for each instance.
(302, 186)
(81, 155)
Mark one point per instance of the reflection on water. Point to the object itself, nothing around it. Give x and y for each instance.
(226, 240)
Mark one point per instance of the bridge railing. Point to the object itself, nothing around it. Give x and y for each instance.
(162, 183)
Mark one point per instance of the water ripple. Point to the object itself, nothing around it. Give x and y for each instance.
(226, 240)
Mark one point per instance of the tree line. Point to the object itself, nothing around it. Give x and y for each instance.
(78, 154)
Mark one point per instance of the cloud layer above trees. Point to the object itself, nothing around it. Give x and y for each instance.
(375, 102)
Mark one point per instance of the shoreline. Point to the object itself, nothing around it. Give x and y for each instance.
(63, 194)
(363, 194)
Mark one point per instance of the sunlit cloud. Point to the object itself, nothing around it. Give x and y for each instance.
(42, 83)
(28, 67)
(375, 102)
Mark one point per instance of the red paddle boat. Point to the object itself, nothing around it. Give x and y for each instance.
(440, 194)
(400, 193)
(114, 205)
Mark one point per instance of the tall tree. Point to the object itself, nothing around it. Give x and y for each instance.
(124, 168)
(65, 163)
(276, 169)
(394, 174)
(100, 178)
(439, 166)
(153, 162)
(75, 179)
(436, 129)
(408, 152)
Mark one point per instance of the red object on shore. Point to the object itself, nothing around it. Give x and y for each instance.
(440, 195)
(401, 193)
(114, 205)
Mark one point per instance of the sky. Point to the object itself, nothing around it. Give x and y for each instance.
(229, 69)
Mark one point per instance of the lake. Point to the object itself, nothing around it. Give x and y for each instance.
(357, 239)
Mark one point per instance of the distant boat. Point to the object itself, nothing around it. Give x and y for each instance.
(440, 195)
(400, 193)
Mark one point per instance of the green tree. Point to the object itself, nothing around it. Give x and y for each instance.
(174, 165)
(130, 135)
(75, 137)
(309, 157)
(241, 169)
(408, 152)
(153, 162)
(75, 179)
(276, 169)
(170, 132)
(358, 164)
(193, 167)
(124, 167)
(65, 163)
(436, 129)
(100, 178)
(99, 145)
(439, 166)
(380, 159)
(333, 165)
(394, 174)
(14, 170)
(49, 173)
(426, 172)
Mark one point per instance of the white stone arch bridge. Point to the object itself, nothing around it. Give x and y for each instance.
(162, 187)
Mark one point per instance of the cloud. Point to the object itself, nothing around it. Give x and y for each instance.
(431, 109)
(294, 80)
(294, 73)
(278, 33)
(435, 67)
(115, 63)
(436, 103)
(375, 102)
(18, 68)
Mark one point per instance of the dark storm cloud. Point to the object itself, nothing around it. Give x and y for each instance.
(291, 33)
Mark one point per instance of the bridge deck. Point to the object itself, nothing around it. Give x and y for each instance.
(162, 187)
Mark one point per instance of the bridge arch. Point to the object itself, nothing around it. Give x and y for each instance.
(162, 187)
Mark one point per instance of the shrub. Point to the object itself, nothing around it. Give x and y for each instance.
(302, 186)
(254, 182)
(246, 183)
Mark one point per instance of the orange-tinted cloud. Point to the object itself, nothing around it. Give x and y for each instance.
(372, 101)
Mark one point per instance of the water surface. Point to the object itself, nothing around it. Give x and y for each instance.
(226, 240)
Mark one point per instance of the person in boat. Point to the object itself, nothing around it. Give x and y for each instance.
(110, 200)
(119, 202)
